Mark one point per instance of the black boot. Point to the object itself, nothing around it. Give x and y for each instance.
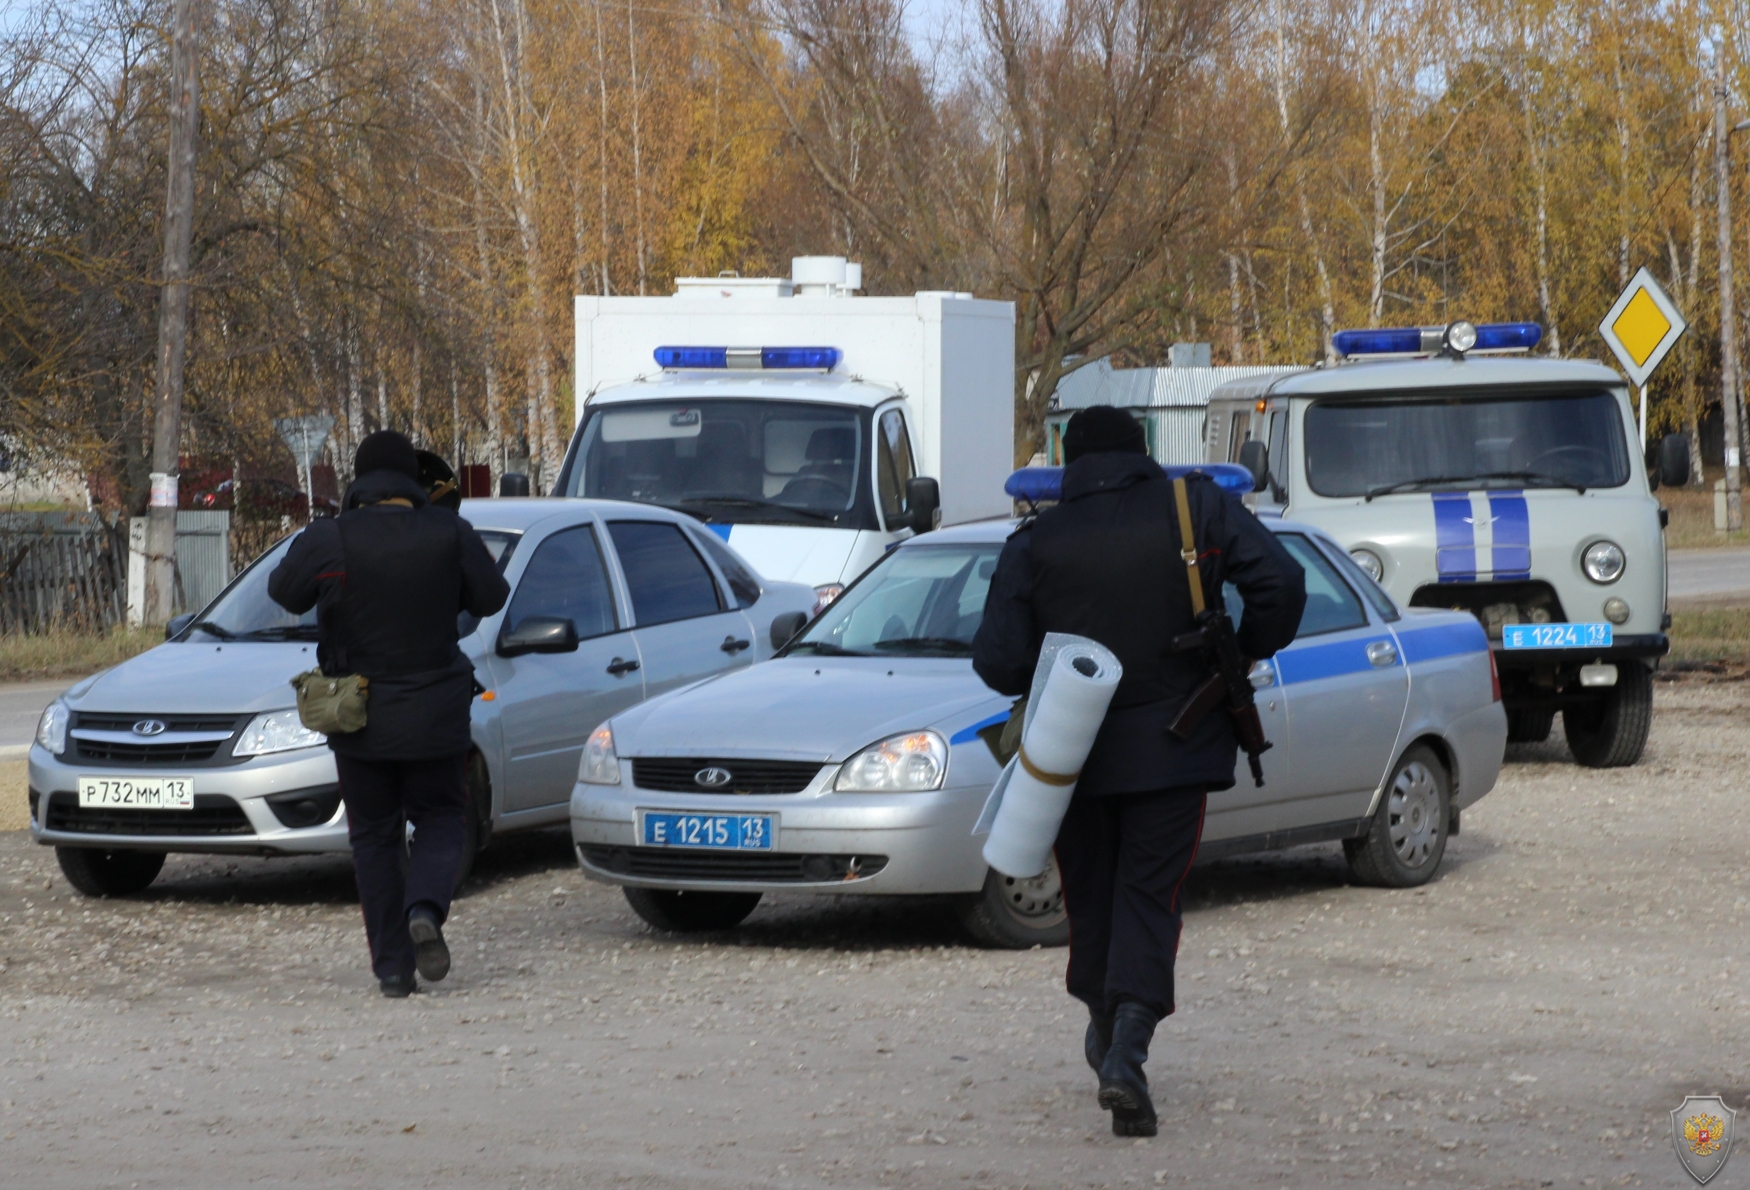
(1098, 1040)
(398, 987)
(1123, 1086)
(430, 954)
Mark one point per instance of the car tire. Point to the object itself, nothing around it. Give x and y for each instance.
(1011, 914)
(1529, 725)
(688, 912)
(479, 813)
(1405, 841)
(1611, 732)
(99, 873)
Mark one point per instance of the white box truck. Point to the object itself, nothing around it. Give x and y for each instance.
(809, 427)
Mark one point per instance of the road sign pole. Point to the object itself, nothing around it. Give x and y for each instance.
(1643, 419)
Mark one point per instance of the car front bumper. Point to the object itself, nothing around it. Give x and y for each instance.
(232, 815)
(910, 843)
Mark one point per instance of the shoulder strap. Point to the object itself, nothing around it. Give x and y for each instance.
(1188, 544)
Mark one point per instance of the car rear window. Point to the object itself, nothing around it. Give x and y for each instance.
(667, 578)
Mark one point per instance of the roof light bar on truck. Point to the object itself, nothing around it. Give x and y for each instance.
(1455, 338)
(819, 359)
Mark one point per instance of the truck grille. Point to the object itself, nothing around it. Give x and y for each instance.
(769, 867)
(213, 814)
(665, 774)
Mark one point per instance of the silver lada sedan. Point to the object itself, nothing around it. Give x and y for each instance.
(858, 760)
(195, 746)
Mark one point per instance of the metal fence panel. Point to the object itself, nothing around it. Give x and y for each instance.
(203, 557)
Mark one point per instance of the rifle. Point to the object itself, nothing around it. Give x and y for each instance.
(1230, 684)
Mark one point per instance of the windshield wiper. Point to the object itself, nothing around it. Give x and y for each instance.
(283, 632)
(686, 504)
(943, 644)
(825, 649)
(1538, 477)
(213, 629)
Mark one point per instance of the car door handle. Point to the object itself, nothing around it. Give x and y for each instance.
(1263, 675)
(732, 646)
(1381, 653)
(619, 666)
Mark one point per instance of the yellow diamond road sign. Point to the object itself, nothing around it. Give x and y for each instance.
(1642, 327)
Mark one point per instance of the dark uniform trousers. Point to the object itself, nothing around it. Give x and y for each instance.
(1123, 859)
(382, 797)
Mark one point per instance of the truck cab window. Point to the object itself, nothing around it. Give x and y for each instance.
(1277, 445)
(894, 464)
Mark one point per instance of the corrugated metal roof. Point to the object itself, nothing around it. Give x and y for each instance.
(1099, 383)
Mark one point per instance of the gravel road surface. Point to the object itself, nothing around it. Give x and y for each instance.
(1529, 1019)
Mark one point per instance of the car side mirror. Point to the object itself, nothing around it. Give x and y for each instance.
(513, 483)
(923, 502)
(785, 626)
(1674, 460)
(1255, 457)
(538, 634)
(173, 627)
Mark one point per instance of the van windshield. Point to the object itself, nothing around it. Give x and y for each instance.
(729, 461)
(1375, 447)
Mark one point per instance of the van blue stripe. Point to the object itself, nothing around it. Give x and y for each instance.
(1442, 640)
(1311, 663)
(1455, 538)
(967, 734)
(721, 530)
(1512, 527)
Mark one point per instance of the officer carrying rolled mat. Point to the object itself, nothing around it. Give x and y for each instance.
(1105, 563)
(388, 578)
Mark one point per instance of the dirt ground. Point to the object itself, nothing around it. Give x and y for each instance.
(1529, 1019)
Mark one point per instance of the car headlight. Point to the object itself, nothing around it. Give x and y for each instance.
(1603, 561)
(1369, 561)
(910, 763)
(51, 729)
(276, 731)
(600, 765)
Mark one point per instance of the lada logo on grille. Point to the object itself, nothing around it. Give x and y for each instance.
(713, 777)
(149, 727)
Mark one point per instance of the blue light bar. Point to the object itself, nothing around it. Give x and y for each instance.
(823, 359)
(1427, 340)
(1508, 336)
(1037, 484)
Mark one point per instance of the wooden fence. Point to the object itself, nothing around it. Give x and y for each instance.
(62, 572)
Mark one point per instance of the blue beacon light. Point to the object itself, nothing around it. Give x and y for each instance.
(1036, 484)
(823, 359)
(1430, 340)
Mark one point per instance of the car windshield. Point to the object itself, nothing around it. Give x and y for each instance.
(729, 461)
(923, 601)
(1376, 447)
(244, 611)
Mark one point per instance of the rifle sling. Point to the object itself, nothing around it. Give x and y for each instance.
(1188, 545)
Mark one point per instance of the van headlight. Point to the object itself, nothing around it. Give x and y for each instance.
(51, 729)
(1603, 561)
(276, 731)
(600, 765)
(1369, 561)
(912, 763)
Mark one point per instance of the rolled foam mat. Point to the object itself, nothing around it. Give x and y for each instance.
(1072, 687)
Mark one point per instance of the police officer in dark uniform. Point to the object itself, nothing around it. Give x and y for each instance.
(388, 578)
(1105, 563)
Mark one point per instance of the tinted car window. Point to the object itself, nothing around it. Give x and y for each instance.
(742, 582)
(665, 575)
(1330, 605)
(501, 545)
(566, 578)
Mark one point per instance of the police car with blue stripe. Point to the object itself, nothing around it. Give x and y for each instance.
(1461, 474)
(857, 760)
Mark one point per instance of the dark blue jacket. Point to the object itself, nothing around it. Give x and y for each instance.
(1105, 563)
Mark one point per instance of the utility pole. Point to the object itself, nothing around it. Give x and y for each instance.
(1728, 316)
(185, 111)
